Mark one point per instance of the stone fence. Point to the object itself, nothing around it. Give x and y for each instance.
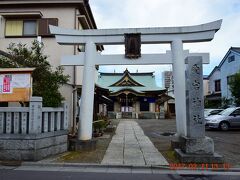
(34, 132)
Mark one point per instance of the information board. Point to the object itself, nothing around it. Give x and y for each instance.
(15, 86)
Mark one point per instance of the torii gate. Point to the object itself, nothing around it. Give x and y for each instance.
(176, 36)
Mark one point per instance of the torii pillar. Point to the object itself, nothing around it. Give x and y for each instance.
(176, 36)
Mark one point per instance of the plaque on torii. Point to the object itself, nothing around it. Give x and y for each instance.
(132, 46)
(175, 36)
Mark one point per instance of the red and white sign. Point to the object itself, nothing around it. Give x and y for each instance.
(6, 84)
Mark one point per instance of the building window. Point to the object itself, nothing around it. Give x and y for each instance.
(217, 85)
(29, 28)
(231, 58)
(14, 28)
(20, 28)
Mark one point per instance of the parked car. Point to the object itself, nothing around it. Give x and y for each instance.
(210, 112)
(228, 118)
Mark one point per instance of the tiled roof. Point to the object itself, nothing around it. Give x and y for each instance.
(146, 79)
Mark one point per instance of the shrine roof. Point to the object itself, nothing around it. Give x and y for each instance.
(138, 82)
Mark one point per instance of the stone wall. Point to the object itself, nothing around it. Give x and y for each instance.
(32, 147)
(33, 133)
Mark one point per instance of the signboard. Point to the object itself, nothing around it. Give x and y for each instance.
(15, 85)
(132, 46)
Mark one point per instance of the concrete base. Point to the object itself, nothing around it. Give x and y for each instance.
(198, 158)
(32, 147)
(79, 145)
(203, 145)
(196, 150)
(175, 144)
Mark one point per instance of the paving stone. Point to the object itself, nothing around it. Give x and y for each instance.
(147, 149)
(135, 146)
(155, 159)
(134, 160)
(134, 151)
(129, 146)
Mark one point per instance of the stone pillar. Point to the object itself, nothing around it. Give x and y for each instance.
(151, 107)
(75, 109)
(87, 97)
(137, 106)
(65, 121)
(1, 122)
(35, 115)
(100, 107)
(179, 88)
(116, 107)
(104, 109)
(195, 147)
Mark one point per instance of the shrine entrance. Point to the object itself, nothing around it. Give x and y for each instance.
(133, 38)
(126, 102)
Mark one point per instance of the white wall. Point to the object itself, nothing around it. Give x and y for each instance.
(228, 69)
(205, 87)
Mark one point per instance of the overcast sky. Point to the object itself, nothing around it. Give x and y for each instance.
(159, 13)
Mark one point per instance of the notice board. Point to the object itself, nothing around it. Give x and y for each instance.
(15, 84)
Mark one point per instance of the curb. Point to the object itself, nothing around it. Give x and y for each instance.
(153, 167)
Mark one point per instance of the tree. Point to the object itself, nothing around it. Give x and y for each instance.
(46, 82)
(234, 85)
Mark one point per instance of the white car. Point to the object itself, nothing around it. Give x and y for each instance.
(228, 118)
(210, 112)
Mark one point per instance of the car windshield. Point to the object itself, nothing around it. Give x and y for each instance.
(227, 111)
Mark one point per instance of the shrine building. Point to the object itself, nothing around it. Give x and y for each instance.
(133, 94)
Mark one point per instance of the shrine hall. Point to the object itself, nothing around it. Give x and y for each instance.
(132, 94)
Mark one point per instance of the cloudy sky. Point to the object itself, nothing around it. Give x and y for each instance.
(159, 13)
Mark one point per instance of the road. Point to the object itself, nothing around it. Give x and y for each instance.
(226, 143)
(56, 175)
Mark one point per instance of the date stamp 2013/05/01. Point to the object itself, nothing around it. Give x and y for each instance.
(203, 166)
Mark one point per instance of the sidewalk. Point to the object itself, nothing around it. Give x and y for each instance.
(131, 147)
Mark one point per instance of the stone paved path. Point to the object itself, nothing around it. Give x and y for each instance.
(129, 146)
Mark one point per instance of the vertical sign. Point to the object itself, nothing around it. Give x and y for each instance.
(194, 98)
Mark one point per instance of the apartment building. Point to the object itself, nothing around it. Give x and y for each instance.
(22, 21)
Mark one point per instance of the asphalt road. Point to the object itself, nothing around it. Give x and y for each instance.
(48, 175)
(226, 143)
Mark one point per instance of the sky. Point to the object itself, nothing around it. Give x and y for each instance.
(159, 13)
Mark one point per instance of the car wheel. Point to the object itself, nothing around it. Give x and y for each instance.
(224, 126)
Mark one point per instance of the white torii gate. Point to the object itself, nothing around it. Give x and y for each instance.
(176, 36)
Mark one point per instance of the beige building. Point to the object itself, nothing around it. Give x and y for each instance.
(24, 21)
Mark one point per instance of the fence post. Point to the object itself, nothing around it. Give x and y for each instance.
(65, 115)
(35, 115)
(1, 122)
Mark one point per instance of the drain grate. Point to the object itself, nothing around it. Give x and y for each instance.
(167, 134)
(163, 133)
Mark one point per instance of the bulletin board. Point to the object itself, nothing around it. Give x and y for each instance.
(15, 84)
